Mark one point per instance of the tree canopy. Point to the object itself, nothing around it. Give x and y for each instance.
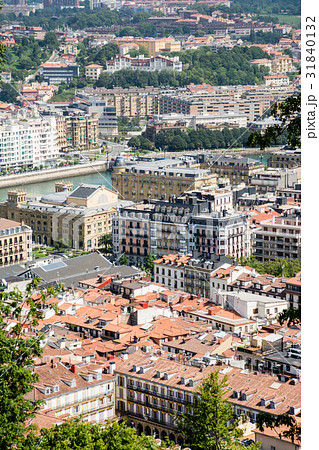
(279, 267)
(209, 423)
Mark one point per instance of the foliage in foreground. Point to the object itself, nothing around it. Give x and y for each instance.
(279, 267)
(78, 435)
(210, 423)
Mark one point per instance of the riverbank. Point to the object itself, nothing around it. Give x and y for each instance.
(59, 173)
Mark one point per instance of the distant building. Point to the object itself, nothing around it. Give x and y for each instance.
(93, 71)
(279, 237)
(56, 73)
(76, 218)
(159, 178)
(15, 242)
(79, 131)
(141, 63)
(27, 143)
(276, 80)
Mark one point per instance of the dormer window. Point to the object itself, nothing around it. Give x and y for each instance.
(235, 394)
(56, 388)
(47, 391)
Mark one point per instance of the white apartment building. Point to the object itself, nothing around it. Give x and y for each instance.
(146, 64)
(27, 143)
(82, 390)
(279, 237)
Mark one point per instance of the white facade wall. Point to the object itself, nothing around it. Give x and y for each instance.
(27, 143)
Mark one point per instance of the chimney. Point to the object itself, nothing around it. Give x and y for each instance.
(112, 367)
(73, 368)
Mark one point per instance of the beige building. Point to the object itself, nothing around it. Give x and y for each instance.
(151, 392)
(80, 131)
(279, 237)
(93, 71)
(281, 64)
(133, 102)
(154, 46)
(15, 242)
(76, 218)
(157, 179)
(238, 169)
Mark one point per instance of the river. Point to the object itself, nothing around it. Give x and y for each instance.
(47, 187)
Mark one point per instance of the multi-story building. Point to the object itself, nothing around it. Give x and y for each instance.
(76, 218)
(80, 390)
(28, 142)
(107, 118)
(238, 169)
(285, 159)
(154, 46)
(293, 290)
(185, 225)
(130, 102)
(93, 71)
(141, 63)
(182, 272)
(159, 179)
(279, 237)
(224, 233)
(157, 227)
(15, 242)
(272, 179)
(150, 392)
(78, 131)
(56, 72)
(276, 80)
(281, 64)
(209, 104)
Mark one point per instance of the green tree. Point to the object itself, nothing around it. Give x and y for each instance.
(291, 315)
(288, 113)
(74, 434)
(287, 424)
(8, 93)
(51, 41)
(16, 356)
(106, 242)
(149, 263)
(279, 267)
(210, 424)
(123, 260)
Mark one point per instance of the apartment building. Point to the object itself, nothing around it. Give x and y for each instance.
(278, 65)
(78, 131)
(15, 242)
(141, 63)
(56, 72)
(276, 80)
(272, 179)
(185, 225)
(151, 391)
(183, 272)
(293, 291)
(93, 71)
(78, 390)
(188, 104)
(154, 46)
(91, 104)
(76, 218)
(132, 102)
(238, 169)
(157, 227)
(279, 237)
(224, 233)
(159, 179)
(27, 142)
(285, 159)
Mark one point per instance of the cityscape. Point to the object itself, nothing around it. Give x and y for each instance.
(150, 224)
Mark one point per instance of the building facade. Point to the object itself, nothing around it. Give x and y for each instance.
(75, 218)
(15, 242)
(56, 73)
(27, 142)
(279, 237)
(78, 131)
(159, 179)
(141, 63)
